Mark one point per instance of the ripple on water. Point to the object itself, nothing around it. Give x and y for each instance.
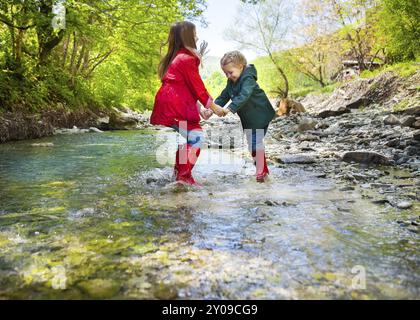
(118, 227)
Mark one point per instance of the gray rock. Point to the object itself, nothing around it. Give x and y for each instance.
(404, 205)
(46, 144)
(85, 212)
(333, 112)
(307, 124)
(394, 143)
(412, 151)
(360, 102)
(333, 128)
(408, 121)
(119, 120)
(322, 125)
(413, 229)
(403, 223)
(416, 135)
(74, 130)
(391, 120)
(380, 201)
(296, 158)
(308, 137)
(102, 123)
(416, 125)
(320, 175)
(415, 111)
(348, 188)
(365, 157)
(402, 159)
(93, 129)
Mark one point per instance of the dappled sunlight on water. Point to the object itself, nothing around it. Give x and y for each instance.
(96, 216)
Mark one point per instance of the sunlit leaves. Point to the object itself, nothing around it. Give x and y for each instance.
(109, 48)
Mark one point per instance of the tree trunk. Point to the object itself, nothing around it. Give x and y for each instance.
(47, 44)
(321, 77)
(74, 53)
(285, 92)
(47, 39)
(85, 66)
(13, 41)
(81, 56)
(103, 58)
(65, 51)
(18, 47)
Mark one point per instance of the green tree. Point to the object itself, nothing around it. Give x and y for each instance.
(263, 26)
(215, 83)
(107, 53)
(399, 28)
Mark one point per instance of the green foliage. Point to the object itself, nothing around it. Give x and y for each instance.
(399, 28)
(403, 69)
(215, 83)
(314, 89)
(107, 55)
(402, 105)
(269, 79)
(381, 30)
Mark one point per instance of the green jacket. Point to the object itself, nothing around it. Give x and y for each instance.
(248, 100)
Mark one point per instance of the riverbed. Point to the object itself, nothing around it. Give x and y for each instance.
(97, 216)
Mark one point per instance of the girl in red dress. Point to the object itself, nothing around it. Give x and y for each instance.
(176, 103)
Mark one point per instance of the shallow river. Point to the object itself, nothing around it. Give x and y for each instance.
(97, 216)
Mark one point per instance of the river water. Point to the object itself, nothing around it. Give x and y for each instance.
(96, 216)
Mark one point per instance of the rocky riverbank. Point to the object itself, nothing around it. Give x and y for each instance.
(20, 125)
(373, 146)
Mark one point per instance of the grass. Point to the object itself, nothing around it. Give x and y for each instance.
(402, 105)
(403, 69)
(301, 92)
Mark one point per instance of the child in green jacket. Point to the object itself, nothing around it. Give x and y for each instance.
(250, 102)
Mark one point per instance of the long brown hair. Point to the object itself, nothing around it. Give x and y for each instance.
(181, 35)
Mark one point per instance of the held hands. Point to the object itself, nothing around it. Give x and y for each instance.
(225, 112)
(206, 114)
(221, 112)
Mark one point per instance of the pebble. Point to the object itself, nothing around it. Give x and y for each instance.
(48, 144)
(348, 188)
(404, 205)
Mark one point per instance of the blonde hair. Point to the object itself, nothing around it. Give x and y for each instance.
(235, 57)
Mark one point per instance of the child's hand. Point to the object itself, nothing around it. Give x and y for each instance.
(225, 112)
(218, 110)
(206, 114)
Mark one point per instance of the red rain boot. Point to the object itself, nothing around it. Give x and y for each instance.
(261, 165)
(193, 154)
(176, 166)
(185, 161)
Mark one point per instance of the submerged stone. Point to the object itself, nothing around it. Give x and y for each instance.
(404, 205)
(100, 288)
(47, 144)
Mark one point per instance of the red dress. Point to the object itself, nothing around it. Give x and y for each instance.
(181, 88)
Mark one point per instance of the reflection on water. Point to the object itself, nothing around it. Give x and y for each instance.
(96, 216)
